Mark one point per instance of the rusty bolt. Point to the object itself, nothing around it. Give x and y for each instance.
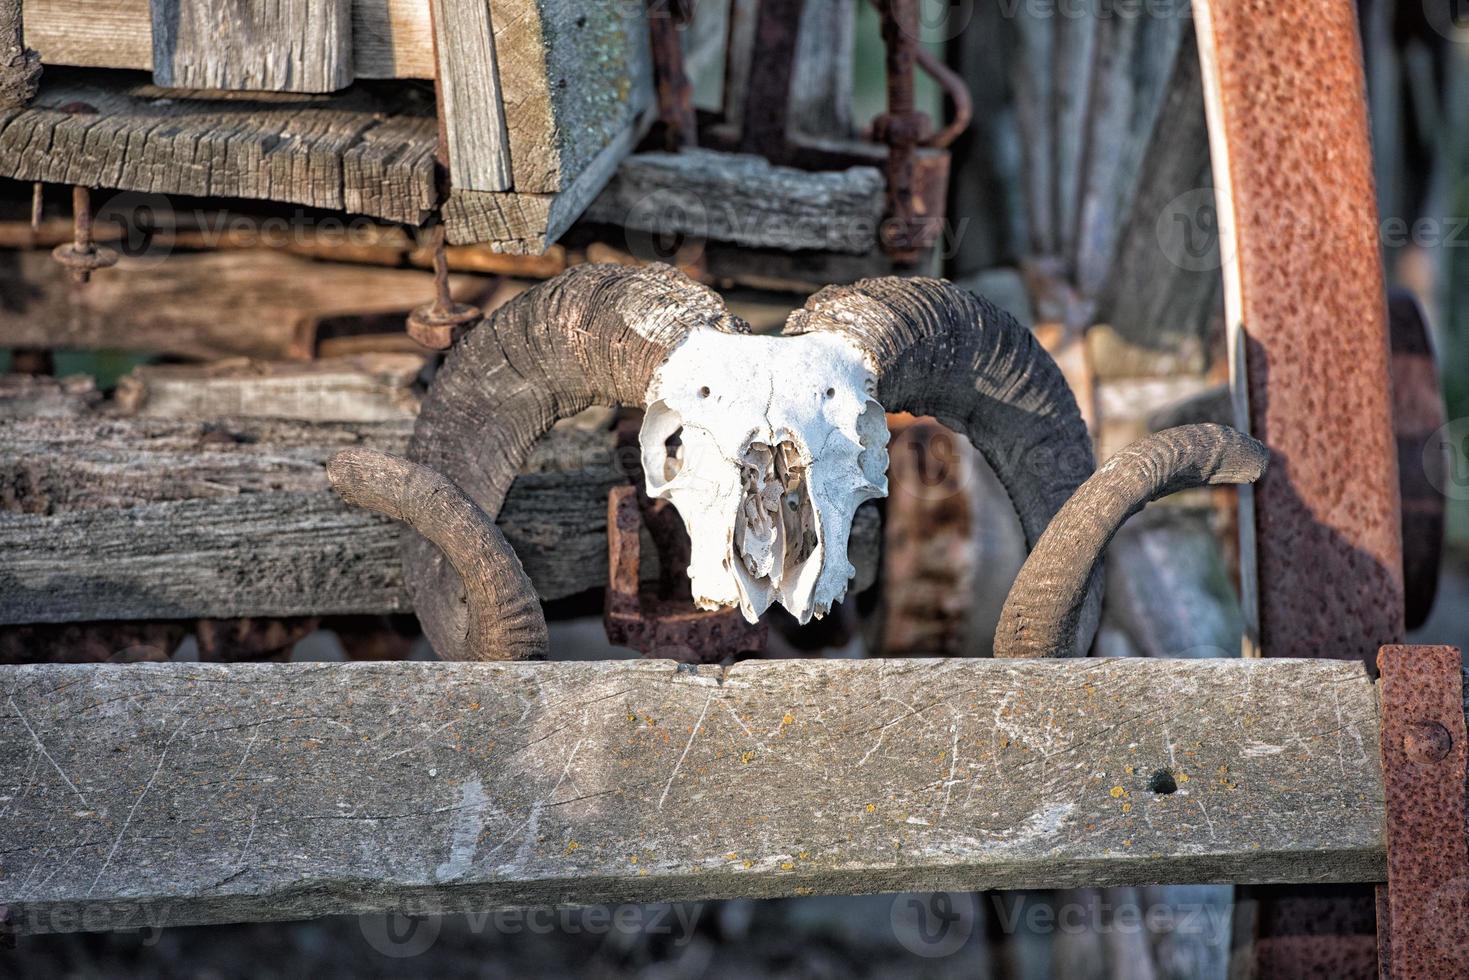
(434, 324)
(82, 255)
(1427, 741)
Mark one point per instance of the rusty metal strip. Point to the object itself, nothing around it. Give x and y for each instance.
(1423, 920)
(1306, 311)
(1303, 283)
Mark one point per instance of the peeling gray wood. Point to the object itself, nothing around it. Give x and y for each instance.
(743, 199)
(344, 152)
(373, 387)
(274, 46)
(390, 38)
(197, 793)
(141, 518)
(469, 96)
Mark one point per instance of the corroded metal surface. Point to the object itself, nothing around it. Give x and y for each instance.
(1303, 281)
(1424, 922)
(661, 621)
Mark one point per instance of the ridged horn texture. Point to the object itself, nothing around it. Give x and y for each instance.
(1041, 616)
(502, 617)
(940, 350)
(594, 335)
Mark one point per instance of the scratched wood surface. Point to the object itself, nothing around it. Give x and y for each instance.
(469, 96)
(390, 38)
(146, 518)
(208, 793)
(353, 152)
(277, 46)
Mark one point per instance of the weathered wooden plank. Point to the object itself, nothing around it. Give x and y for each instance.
(373, 387)
(255, 302)
(143, 518)
(469, 96)
(390, 38)
(743, 199)
(279, 46)
(350, 151)
(208, 793)
(574, 78)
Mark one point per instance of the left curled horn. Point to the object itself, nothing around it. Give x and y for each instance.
(503, 618)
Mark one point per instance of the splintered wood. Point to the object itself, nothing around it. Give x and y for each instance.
(210, 793)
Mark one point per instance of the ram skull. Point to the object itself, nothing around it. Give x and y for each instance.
(766, 446)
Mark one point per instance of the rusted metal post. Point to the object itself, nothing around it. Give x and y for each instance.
(902, 128)
(1423, 911)
(1307, 314)
(675, 92)
(435, 325)
(83, 255)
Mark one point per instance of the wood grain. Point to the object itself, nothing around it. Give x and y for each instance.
(352, 152)
(252, 302)
(146, 518)
(390, 38)
(211, 793)
(743, 199)
(276, 46)
(469, 96)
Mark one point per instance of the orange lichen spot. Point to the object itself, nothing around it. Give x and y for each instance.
(1127, 843)
(1118, 792)
(748, 863)
(872, 808)
(1127, 808)
(571, 846)
(732, 856)
(788, 719)
(803, 890)
(474, 706)
(632, 717)
(1004, 741)
(804, 855)
(787, 865)
(1183, 777)
(632, 859)
(747, 757)
(1129, 770)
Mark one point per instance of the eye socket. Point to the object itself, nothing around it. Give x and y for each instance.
(831, 393)
(704, 392)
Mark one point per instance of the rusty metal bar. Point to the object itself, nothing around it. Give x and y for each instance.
(772, 66)
(1423, 911)
(1304, 286)
(1307, 315)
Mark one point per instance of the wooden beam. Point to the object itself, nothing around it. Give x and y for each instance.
(146, 518)
(349, 152)
(469, 96)
(739, 198)
(252, 302)
(198, 793)
(390, 38)
(281, 46)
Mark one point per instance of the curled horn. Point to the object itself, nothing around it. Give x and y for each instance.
(1041, 616)
(940, 350)
(592, 336)
(503, 619)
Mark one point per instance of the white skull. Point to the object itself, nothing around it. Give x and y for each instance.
(766, 445)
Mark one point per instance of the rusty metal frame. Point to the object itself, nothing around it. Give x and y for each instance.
(1423, 910)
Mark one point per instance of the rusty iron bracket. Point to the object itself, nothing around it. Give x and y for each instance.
(657, 620)
(914, 159)
(1423, 910)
